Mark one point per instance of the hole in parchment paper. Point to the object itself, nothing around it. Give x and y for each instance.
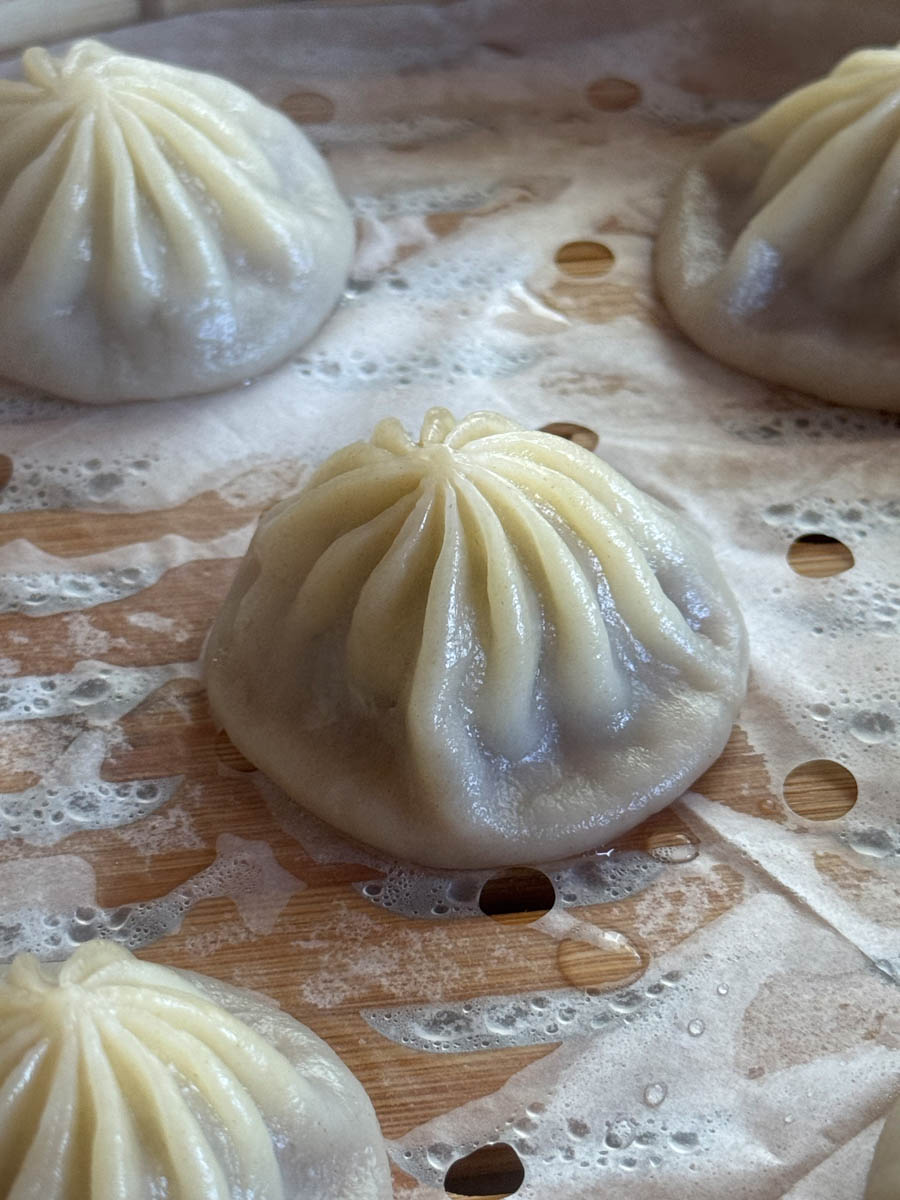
(229, 755)
(612, 95)
(818, 555)
(584, 260)
(820, 790)
(494, 1170)
(587, 966)
(308, 108)
(6, 470)
(579, 434)
(517, 896)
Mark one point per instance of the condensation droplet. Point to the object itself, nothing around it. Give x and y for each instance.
(684, 1141)
(872, 727)
(696, 1027)
(873, 843)
(655, 1094)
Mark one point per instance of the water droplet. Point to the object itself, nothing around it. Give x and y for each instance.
(626, 1002)
(874, 843)
(89, 690)
(696, 1027)
(684, 1141)
(440, 1154)
(872, 727)
(675, 852)
(722, 989)
(620, 1133)
(655, 1094)
(525, 1125)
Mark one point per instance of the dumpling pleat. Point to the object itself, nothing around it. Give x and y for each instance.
(335, 507)
(333, 583)
(189, 1162)
(194, 244)
(250, 1057)
(872, 237)
(607, 486)
(237, 1113)
(56, 265)
(132, 284)
(207, 121)
(28, 197)
(586, 681)
(263, 225)
(802, 143)
(843, 170)
(118, 1164)
(385, 633)
(21, 1100)
(44, 1173)
(26, 135)
(481, 427)
(444, 663)
(644, 607)
(511, 631)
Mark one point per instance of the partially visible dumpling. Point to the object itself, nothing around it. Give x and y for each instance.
(162, 232)
(779, 251)
(123, 1080)
(479, 648)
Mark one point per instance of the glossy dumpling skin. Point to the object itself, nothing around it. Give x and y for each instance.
(779, 251)
(478, 648)
(124, 1080)
(163, 233)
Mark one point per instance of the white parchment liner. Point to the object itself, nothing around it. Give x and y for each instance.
(485, 110)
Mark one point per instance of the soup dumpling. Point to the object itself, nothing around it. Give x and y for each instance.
(121, 1078)
(477, 648)
(779, 251)
(163, 232)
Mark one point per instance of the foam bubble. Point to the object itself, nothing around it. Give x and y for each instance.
(243, 871)
(73, 797)
(101, 692)
(38, 584)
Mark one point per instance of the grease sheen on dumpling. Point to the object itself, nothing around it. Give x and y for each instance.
(779, 251)
(163, 232)
(478, 648)
(124, 1080)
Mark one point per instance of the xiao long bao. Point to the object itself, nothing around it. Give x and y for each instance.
(480, 648)
(163, 233)
(779, 252)
(120, 1078)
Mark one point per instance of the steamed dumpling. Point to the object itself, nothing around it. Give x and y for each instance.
(162, 233)
(123, 1080)
(478, 648)
(779, 251)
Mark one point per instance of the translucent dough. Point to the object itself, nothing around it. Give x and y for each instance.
(478, 648)
(779, 251)
(121, 1078)
(164, 233)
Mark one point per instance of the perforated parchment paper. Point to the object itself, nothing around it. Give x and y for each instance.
(750, 1045)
